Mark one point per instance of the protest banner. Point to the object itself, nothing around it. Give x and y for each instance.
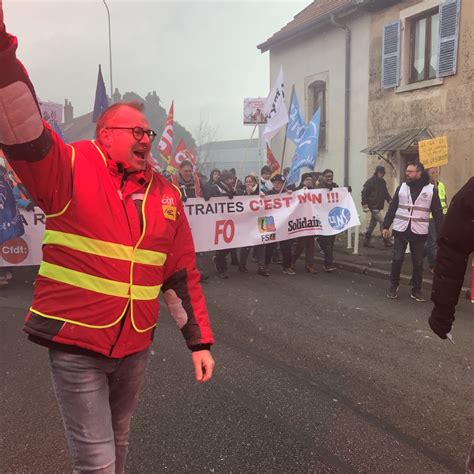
(26, 249)
(251, 220)
(221, 223)
(434, 152)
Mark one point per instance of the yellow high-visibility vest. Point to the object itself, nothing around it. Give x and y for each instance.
(442, 197)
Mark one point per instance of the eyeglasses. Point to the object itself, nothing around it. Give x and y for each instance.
(138, 132)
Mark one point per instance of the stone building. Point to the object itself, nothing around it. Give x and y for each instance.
(421, 85)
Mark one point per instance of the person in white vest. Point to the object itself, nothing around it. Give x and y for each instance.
(409, 213)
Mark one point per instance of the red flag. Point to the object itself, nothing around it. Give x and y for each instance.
(165, 144)
(181, 154)
(272, 162)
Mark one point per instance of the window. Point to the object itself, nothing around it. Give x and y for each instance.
(317, 98)
(424, 47)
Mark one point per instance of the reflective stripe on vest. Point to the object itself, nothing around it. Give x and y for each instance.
(100, 285)
(103, 248)
(415, 213)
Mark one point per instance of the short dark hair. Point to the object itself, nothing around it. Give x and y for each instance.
(185, 163)
(266, 169)
(326, 171)
(109, 112)
(419, 166)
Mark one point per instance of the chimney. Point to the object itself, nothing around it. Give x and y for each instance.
(117, 97)
(68, 112)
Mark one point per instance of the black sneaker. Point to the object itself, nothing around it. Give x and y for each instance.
(263, 271)
(223, 275)
(417, 295)
(243, 269)
(393, 292)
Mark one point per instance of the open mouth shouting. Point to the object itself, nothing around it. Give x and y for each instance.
(140, 155)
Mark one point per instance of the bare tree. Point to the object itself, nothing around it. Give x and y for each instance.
(205, 134)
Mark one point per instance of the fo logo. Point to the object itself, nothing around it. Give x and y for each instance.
(14, 251)
(339, 217)
(266, 224)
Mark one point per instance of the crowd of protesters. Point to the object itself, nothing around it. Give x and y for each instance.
(225, 183)
(373, 198)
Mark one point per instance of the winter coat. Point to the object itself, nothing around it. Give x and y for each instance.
(375, 193)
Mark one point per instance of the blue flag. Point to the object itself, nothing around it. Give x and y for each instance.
(296, 124)
(101, 102)
(307, 150)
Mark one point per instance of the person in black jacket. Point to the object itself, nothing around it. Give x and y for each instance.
(213, 179)
(223, 187)
(455, 244)
(306, 243)
(326, 242)
(285, 245)
(374, 194)
(409, 212)
(251, 188)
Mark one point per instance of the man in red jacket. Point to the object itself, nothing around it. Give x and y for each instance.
(116, 235)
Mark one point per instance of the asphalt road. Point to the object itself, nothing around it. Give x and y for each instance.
(314, 374)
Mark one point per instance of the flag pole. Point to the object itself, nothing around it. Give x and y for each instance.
(286, 131)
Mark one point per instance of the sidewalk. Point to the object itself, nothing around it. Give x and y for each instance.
(376, 262)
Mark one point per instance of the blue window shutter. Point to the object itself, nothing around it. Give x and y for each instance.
(448, 37)
(391, 55)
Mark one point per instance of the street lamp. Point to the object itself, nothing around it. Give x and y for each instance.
(110, 51)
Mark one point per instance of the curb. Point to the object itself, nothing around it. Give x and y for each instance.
(377, 272)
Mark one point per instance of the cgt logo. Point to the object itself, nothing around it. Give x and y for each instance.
(339, 217)
(14, 251)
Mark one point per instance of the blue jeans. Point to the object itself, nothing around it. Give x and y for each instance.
(97, 397)
(376, 217)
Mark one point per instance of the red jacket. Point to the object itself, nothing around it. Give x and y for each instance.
(112, 241)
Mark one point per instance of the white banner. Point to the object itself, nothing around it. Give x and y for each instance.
(221, 223)
(25, 250)
(245, 221)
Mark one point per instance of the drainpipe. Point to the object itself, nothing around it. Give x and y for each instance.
(346, 96)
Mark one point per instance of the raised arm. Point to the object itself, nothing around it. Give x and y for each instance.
(38, 156)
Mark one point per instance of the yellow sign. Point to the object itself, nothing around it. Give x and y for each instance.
(433, 152)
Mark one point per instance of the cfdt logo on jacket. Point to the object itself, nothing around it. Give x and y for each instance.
(339, 217)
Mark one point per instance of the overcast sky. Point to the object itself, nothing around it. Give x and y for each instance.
(202, 54)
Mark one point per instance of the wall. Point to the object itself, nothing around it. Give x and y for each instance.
(320, 55)
(447, 108)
